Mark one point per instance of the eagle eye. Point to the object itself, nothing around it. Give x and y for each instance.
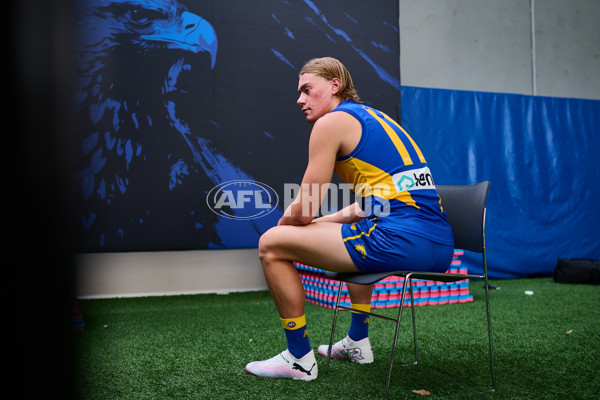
(136, 15)
(143, 16)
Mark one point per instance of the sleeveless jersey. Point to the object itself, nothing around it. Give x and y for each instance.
(390, 177)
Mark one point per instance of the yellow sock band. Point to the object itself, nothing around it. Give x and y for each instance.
(361, 307)
(293, 323)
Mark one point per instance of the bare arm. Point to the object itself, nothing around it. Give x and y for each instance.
(324, 146)
(347, 215)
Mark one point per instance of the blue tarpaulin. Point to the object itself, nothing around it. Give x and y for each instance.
(540, 155)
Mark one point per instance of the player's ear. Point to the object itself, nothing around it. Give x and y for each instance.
(335, 85)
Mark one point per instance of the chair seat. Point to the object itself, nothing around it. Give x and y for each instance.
(371, 278)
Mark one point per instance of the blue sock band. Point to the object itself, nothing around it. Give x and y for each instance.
(359, 324)
(297, 336)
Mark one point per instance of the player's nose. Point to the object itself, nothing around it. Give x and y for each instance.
(301, 100)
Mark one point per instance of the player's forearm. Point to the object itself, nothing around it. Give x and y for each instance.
(294, 220)
(296, 214)
(347, 215)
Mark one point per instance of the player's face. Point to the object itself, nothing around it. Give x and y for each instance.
(317, 96)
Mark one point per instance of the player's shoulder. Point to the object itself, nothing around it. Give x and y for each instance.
(335, 129)
(336, 120)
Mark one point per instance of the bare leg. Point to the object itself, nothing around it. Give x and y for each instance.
(286, 287)
(360, 294)
(319, 245)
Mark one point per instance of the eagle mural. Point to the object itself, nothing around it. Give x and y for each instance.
(119, 112)
(173, 99)
(134, 136)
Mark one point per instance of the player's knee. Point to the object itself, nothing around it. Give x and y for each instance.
(267, 245)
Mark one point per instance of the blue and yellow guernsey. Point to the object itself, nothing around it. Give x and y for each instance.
(390, 177)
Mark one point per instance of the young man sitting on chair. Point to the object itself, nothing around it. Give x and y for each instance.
(397, 222)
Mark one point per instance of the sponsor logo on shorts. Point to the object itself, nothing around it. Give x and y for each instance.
(361, 249)
(416, 179)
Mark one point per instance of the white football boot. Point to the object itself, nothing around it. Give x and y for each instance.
(359, 352)
(285, 365)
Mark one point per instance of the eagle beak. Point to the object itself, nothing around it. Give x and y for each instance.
(203, 34)
(192, 33)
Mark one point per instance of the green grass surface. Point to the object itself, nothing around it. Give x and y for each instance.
(546, 346)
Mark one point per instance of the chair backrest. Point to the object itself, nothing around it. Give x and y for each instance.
(465, 210)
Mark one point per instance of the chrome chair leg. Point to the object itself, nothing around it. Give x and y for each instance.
(335, 313)
(389, 376)
(412, 306)
(489, 323)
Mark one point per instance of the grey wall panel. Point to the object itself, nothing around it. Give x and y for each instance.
(489, 45)
(482, 45)
(567, 48)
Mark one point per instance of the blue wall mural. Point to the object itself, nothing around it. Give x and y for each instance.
(174, 98)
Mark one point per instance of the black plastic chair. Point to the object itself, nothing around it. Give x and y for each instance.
(465, 209)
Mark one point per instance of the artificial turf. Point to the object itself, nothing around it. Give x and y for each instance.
(546, 346)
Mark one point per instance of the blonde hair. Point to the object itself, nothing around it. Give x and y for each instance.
(329, 68)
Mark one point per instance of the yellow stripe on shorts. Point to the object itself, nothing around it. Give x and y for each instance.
(360, 234)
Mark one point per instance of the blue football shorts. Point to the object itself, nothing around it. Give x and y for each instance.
(376, 248)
